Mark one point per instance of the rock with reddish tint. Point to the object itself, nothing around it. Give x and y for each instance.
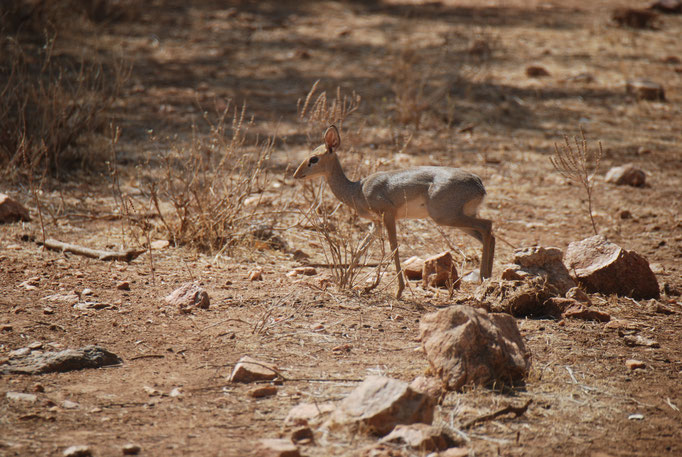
(189, 296)
(412, 268)
(440, 271)
(123, 285)
(465, 345)
(538, 261)
(263, 391)
(633, 364)
(250, 370)
(420, 437)
(536, 71)
(11, 210)
(302, 271)
(428, 385)
(580, 311)
(255, 275)
(604, 267)
(383, 450)
(131, 449)
(519, 298)
(276, 447)
(308, 413)
(626, 175)
(644, 89)
(379, 404)
(302, 435)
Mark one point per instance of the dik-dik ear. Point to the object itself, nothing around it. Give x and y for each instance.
(331, 138)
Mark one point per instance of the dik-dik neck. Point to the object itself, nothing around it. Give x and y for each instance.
(349, 192)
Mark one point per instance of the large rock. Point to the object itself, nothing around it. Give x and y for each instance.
(379, 404)
(440, 271)
(11, 210)
(465, 345)
(626, 174)
(38, 362)
(277, 447)
(604, 267)
(543, 262)
(308, 413)
(188, 296)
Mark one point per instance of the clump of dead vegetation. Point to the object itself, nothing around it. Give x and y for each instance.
(53, 103)
(210, 193)
(579, 164)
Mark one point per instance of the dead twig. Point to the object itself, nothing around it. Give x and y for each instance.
(127, 255)
(516, 410)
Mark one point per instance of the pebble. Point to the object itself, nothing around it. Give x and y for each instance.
(20, 396)
(636, 417)
(256, 275)
(633, 364)
(263, 391)
(86, 291)
(77, 451)
(123, 285)
(131, 449)
(68, 404)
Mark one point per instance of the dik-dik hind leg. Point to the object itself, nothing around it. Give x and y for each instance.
(389, 223)
(482, 230)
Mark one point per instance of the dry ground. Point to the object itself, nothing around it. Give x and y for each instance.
(469, 58)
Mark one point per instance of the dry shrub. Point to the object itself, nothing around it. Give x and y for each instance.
(202, 198)
(52, 103)
(318, 112)
(580, 165)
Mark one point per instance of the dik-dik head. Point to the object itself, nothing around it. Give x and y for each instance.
(323, 156)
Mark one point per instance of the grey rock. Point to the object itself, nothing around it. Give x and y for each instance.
(62, 361)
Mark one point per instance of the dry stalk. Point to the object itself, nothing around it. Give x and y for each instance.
(579, 165)
(322, 112)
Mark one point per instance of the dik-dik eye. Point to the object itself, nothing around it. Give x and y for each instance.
(312, 160)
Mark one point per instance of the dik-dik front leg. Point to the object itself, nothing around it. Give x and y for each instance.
(389, 223)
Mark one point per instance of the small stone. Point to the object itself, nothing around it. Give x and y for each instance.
(626, 175)
(625, 214)
(440, 271)
(644, 89)
(308, 413)
(19, 353)
(22, 397)
(160, 244)
(422, 437)
(579, 311)
(428, 385)
(11, 210)
(636, 417)
(123, 285)
(35, 345)
(131, 449)
(633, 364)
(38, 387)
(6, 328)
(579, 295)
(639, 340)
(536, 71)
(302, 435)
(255, 275)
(302, 271)
(457, 452)
(48, 310)
(77, 451)
(87, 291)
(176, 392)
(413, 267)
(249, 370)
(275, 447)
(189, 296)
(262, 391)
(68, 404)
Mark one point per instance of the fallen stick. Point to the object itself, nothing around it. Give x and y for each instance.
(127, 255)
(516, 410)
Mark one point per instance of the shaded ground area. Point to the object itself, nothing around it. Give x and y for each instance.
(441, 83)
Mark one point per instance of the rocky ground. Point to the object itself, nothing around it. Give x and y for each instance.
(486, 86)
